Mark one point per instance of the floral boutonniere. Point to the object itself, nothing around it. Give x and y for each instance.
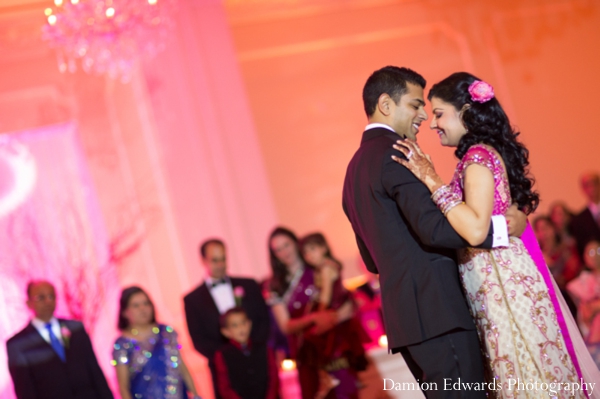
(66, 335)
(238, 294)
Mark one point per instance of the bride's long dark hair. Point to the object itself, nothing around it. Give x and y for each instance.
(487, 123)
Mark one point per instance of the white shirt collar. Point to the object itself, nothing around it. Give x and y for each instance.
(40, 325)
(382, 125)
(221, 294)
(209, 280)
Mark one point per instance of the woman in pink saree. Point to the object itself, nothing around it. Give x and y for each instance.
(531, 343)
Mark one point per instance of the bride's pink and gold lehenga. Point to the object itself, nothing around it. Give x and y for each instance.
(526, 334)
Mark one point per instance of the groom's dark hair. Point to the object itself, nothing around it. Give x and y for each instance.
(390, 80)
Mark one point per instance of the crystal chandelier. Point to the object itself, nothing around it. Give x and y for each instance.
(107, 36)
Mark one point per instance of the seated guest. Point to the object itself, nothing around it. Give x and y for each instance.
(146, 355)
(245, 369)
(53, 358)
(586, 292)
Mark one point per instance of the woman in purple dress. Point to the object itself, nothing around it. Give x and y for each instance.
(290, 291)
(339, 353)
(524, 327)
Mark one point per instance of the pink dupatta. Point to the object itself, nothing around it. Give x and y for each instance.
(582, 360)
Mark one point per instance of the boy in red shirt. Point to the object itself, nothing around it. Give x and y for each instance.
(245, 369)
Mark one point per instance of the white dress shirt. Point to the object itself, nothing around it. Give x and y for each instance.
(500, 237)
(222, 294)
(41, 327)
(374, 125)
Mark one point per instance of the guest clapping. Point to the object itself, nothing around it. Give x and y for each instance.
(146, 355)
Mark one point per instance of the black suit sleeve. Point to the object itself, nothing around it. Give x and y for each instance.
(261, 325)
(97, 376)
(422, 215)
(19, 371)
(366, 255)
(202, 343)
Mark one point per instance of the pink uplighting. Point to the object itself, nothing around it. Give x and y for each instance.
(133, 130)
(18, 174)
(54, 231)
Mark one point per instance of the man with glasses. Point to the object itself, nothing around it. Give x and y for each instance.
(53, 358)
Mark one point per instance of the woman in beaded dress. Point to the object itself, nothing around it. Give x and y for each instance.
(290, 291)
(146, 355)
(526, 329)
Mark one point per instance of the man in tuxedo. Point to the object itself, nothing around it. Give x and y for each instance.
(403, 236)
(585, 227)
(218, 294)
(53, 358)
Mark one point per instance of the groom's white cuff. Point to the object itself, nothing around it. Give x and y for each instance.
(500, 238)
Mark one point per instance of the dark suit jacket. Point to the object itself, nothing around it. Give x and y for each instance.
(584, 229)
(202, 316)
(38, 373)
(400, 233)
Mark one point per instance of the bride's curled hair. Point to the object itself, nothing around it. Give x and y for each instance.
(487, 123)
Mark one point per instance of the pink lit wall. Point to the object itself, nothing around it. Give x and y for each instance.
(304, 65)
(55, 232)
(173, 155)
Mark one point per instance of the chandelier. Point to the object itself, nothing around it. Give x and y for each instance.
(107, 36)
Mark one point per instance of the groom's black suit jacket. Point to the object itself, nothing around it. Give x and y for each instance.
(38, 373)
(401, 235)
(203, 316)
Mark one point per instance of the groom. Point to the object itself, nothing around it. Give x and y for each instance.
(403, 236)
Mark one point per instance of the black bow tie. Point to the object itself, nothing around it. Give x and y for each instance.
(217, 282)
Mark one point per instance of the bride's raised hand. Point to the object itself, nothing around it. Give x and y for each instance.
(418, 163)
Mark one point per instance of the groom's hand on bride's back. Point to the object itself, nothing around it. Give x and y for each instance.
(516, 221)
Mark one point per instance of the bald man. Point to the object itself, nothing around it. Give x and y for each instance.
(53, 358)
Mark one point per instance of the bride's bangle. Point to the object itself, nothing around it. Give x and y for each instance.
(451, 205)
(445, 199)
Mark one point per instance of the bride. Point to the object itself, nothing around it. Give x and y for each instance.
(531, 342)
